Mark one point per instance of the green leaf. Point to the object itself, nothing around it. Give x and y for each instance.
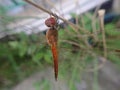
(22, 49)
(34, 37)
(31, 49)
(13, 44)
(37, 57)
(47, 58)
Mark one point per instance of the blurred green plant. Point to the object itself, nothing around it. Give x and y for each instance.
(76, 48)
(22, 55)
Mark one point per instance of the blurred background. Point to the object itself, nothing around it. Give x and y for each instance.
(26, 61)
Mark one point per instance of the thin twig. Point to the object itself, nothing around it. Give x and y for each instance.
(94, 21)
(72, 42)
(41, 8)
(53, 14)
(82, 21)
(52, 5)
(101, 18)
(93, 24)
(49, 12)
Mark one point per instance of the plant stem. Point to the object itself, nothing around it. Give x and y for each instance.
(101, 18)
(95, 77)
(53, 14)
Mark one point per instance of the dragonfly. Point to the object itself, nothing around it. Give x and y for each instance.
(52, 38)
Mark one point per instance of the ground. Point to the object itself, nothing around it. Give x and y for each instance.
(108, 79)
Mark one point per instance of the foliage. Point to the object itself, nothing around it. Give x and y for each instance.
(113, 44)
(22, 55)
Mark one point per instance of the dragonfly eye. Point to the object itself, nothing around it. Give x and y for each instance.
(51, 22)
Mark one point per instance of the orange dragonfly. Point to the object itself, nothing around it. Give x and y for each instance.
(52, 38)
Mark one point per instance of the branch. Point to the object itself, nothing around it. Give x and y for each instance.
(53, 14)
(101, 18)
